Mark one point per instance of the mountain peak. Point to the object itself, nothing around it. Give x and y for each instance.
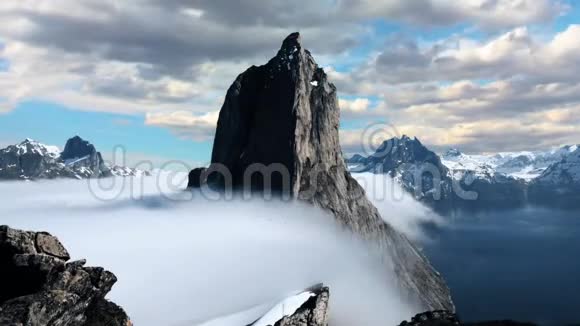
(452, 152)
(286, 114)
(77, 147)
(292, 41)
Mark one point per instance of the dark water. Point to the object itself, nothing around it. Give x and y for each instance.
(522, 264)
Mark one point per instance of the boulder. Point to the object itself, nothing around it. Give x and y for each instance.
(40, 287)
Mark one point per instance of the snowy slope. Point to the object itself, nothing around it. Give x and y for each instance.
(524, 165)
(566, 171)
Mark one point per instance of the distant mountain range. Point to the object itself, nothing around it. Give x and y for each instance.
(461, 181)
(31, 160)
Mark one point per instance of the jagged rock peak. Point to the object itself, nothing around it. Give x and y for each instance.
(77, 147)
(292, 41)
(284, 116)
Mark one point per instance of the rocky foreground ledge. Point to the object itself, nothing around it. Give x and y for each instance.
(39, 286)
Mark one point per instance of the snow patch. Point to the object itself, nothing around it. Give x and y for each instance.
(285, 308)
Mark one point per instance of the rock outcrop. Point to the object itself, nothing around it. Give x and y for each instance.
(40, 287)
(313, 311)
(278, 130)
(433, 318)
(447, 318)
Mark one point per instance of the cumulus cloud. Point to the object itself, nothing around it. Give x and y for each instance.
(510, 92)
(487, 13)
(155, 53)
(175, 59)
(514, 53)
(182, 258)
(185, 124)
(163, 43)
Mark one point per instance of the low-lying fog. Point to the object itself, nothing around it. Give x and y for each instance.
(182, 259)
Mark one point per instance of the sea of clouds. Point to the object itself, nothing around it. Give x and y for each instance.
(184, 259)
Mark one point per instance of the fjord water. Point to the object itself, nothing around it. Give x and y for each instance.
(519, 264)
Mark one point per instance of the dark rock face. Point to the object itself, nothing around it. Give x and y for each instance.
(195, 178)
(433, 318)
(40, 287)
(77, 147)
(282, 120)
(80, 153)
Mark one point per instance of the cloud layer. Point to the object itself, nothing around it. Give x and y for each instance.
(182, 258)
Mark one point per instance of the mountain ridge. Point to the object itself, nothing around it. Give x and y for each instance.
(32, 160)
(502, 180)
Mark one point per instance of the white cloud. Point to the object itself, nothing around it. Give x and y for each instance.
(496, 91)
(151, 57)
(185, 124)
(487, 13)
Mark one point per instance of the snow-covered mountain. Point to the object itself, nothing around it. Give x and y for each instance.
(419, 170)
(520, 165)
(30, 160)
(559, 183)
(477, 181)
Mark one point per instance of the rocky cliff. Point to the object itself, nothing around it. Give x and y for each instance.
(278, 130)
(40, 287)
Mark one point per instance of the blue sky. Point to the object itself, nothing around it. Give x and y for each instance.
(52, 123)
(481, 76)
